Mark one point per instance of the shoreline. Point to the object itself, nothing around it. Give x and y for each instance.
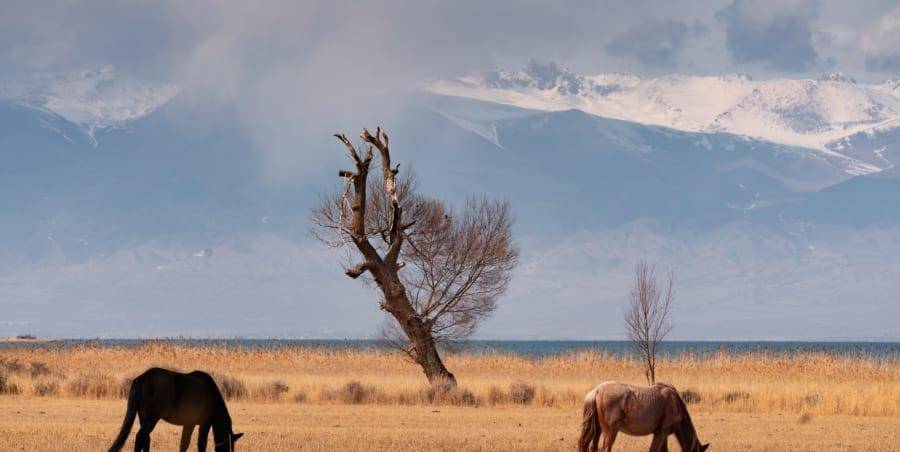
(17, 340)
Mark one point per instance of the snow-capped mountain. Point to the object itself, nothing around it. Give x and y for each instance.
(811, 113)
(890, 86)
(118, 194)
(95, 99)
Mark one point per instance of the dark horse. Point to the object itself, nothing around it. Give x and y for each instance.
(181, 399)
(657, 410)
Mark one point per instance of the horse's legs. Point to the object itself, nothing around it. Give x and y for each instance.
(186, 437)
(142, 441)
(609, 437)
(660, 442)
(203, 433)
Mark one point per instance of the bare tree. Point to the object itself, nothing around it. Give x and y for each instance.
(648, 314)
(440, 272)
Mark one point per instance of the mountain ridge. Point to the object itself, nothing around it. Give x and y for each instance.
(802, 112)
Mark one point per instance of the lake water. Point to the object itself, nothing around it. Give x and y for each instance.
(532, 349)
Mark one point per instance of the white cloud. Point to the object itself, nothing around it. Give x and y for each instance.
(881, 44)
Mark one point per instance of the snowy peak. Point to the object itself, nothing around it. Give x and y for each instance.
(836, 76)
(890, 86)
(549, 77)
(93, 99)
(799, 112)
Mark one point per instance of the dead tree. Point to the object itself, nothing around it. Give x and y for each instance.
(439, 273)
(647, 315)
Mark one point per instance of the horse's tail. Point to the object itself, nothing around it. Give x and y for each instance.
(590, 425)
(134, 395)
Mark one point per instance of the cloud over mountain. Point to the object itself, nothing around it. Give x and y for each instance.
(778, 35)
(655, 44)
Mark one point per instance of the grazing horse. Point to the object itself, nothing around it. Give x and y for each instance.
(181, 399)
(637, 411)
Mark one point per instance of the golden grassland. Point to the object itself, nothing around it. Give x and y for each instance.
(319, 398)
(67, 425)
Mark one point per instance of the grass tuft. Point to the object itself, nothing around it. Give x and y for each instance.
(38, 369)
(496, 395)
(355, 393)
(6, 387)
(691, 396)
(271, 391)
(96, 386)
(735, 396)
(232, 388)
(46, 388)
(445, 394)
(521, 393)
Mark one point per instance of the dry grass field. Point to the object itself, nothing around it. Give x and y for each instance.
(64, 399)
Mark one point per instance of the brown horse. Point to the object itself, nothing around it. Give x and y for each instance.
(637, 411)
(188, 400)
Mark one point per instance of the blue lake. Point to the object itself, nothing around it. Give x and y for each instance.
(532, 349)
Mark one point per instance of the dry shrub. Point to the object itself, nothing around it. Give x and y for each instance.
(355, 393)
(545, 397)
(444, 394)
(464, 397)
(691, 396)
(38, 369)
(46, 388)
(407, 398)
(6, 387)
(232, 388)
(97, 386)
(495, 395)
(435, 393)
(272, 391)
(328, 394)
(735, 396)
(571, 397)
(805, 418)
(300, 396)
(13, 366)
(125, 383)
(521, 393)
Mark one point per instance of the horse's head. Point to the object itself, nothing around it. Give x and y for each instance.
(228, 444)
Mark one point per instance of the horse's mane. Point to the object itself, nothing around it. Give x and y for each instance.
(686, 425)
(683, 406)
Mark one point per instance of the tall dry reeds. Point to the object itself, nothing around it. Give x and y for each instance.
(812, 382)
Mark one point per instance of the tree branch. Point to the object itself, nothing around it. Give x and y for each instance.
(357, 270)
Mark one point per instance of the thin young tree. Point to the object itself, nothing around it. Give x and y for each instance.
(647, 315)
(440, 272)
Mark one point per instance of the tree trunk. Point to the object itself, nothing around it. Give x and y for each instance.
(427, 356)
(424, 349)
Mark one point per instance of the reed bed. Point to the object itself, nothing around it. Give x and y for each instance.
(809, 383)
